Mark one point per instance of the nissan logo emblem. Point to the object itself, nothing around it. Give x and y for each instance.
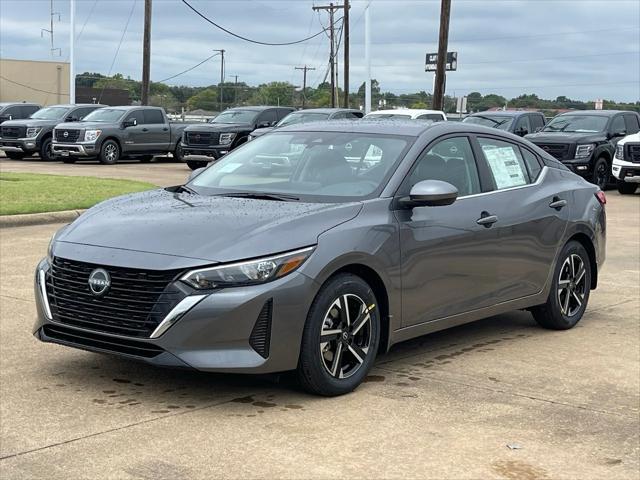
(65, 134)
(99, 282)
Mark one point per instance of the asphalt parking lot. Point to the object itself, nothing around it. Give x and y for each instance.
(500, 398)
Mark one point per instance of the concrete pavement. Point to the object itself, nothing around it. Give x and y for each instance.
(447, 405)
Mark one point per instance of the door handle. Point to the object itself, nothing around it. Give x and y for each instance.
(145, 129)
(558, 203)
(165, 129)
(487, 219)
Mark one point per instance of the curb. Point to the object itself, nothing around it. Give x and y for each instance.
(23, 220)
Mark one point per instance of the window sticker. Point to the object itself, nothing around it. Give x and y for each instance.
(507, 171)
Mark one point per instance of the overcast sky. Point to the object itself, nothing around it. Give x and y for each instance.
(583, 49)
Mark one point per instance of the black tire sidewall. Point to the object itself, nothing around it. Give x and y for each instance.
(559, 318)
(45, 150)
(103, 158)
(196, 164)
(594, 180)
(177, 153)
(625, 188)
(310, 365)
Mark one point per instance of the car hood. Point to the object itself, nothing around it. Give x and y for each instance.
(565, 137)
(219, 127)
(212, 229)
(29, 122)
(633, 138)
(83, 125)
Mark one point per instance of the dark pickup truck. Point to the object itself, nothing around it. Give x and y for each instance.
(20, 138)
(210, 141)
(114, 133)
(518, 122)
(17, 111)
(585, 141)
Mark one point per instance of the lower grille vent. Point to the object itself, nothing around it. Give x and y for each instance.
(261, 334)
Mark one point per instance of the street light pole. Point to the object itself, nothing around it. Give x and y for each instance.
(72, 59)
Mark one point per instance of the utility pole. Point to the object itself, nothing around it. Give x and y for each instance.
(72, 59)
(347, 7)
(367, 59)
(221, 52)
(304, 83)
(146, 53)
(50, 30)
(235, 90)
(331, 8)
(443, 43)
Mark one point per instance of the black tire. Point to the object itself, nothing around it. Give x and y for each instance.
(109, 152)
(317, 358)
(601, 173)
(146, 158)
(558, 313)
(46, 150)
(625, 188)
(68, 160)
(15, 155)
(196, 164)
(177, 153)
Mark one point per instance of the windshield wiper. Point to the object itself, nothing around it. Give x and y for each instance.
(184, 188)
(261, 196)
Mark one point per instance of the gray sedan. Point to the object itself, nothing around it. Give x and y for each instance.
(319, 246)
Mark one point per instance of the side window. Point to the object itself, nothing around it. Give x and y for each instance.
(152, 116)
(339, 116)
(618, 125)
(532, 163)
(14, 112)
(27, 110)
(523, 125)
(281, 113)
(505, 163)
(137, 116)
(431, 116)
(267, 116)
(537, 122)
(354, 115)
(449, 160)
(633, 125)
(80, 113)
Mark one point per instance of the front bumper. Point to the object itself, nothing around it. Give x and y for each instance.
(624, 171)
(582, 166)
(202, 152)
(75, 149)
(217, 334)
(19, 145)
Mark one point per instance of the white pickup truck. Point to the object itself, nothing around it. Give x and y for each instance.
(626, 164)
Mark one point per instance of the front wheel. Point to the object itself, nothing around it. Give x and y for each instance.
(109, 153)
(46, 150)
(625, 188)
(196, 164)
(177, 153)
(570, 290)
(340, 338)
(601, 173)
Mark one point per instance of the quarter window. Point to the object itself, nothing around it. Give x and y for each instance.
(505, 163)
(451, 161)
(532, 163)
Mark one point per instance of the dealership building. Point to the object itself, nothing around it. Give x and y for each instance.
(41, 82)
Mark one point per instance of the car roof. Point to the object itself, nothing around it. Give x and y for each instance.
(382, 127)
(11, 104)
(257, 108)
(74, 105)
(326, 110)
(600, 113)
(502, 113)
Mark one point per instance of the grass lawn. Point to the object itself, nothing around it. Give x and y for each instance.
(34, 193)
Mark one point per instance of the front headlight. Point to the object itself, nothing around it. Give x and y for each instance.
(250, 272)
(583, 151)
(33, 132)
(91, 135)
(226, 138)
(619, 152)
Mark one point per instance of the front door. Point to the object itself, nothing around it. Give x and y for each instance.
(135, 137)
(449, 259)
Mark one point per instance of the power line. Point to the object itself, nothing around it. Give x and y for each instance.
(188, 69)
(204, 17)
(32, 88)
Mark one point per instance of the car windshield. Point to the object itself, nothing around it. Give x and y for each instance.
(309, 166)
(501, 122)
(294, 118)
(386, 115)
(105, 115)
(50, 113)
(577, 123)
(236, 116)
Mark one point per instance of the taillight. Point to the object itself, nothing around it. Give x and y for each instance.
(601, 197)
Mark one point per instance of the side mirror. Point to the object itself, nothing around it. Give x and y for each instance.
(195, 173)
(521, 131)
(130, 123)
(71, 118)
(621, 133)
(431, 193)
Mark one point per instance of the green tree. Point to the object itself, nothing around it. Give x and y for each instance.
(206, 100)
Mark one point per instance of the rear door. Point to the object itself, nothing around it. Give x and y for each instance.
(449, 261)
(156, 130)
(531, 216)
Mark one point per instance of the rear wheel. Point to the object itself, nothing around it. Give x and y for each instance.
(196, 164)
(46, 150)
(570, 290)
(15, 155)
(109, 153)
(601, 173)
(625, 188)
(340, 338)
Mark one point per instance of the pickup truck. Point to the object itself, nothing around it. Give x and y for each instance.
(518, 122)
(17, 111)
(585, 140)
(626, 164)
(209, 141)
(21, 138)
(115, 133)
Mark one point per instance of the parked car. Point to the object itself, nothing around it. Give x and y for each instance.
(285, 255)
(585, 141)
(112, 133)
(210, 141)
(17, 110)
(626, 164)
(517, 122)
(311, 115)
(20, 138)
(409, 113)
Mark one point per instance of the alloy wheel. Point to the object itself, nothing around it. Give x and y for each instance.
(572, 286)
(345, 337)
(602, 175)
(110, 152)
